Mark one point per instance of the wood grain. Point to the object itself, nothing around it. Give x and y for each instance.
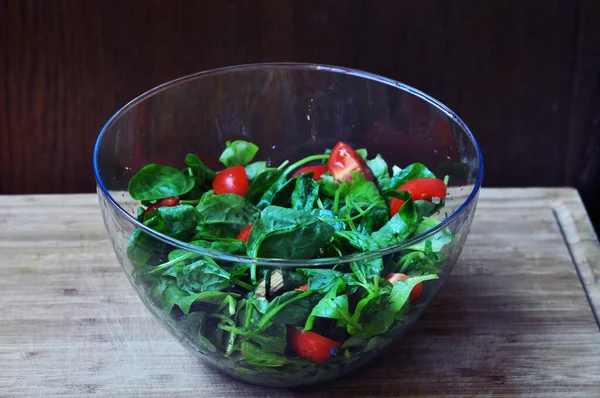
(513, 320)
(530, 93)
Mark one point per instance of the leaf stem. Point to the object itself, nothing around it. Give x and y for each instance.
(267, 317)
(303, 161)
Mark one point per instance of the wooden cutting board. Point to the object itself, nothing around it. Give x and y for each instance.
(517, 317)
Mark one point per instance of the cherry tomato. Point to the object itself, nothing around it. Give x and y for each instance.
(395, 205)
(416, 291)
(166, 202)
(319, 170)
(312, 346)
(303, 287)
(231, 180)
(343, 160)
(425, 188)
(243, 236)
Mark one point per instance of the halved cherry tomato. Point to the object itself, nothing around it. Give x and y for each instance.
(319, 170)
(303, 287)
(231, 180)
(416, 291)
(166, 202)
(343, 160)
(425, 188)
(419, 189)
(312, 346)
(395, 205)
(243, 236)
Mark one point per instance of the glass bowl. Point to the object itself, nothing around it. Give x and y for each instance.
(290, 111)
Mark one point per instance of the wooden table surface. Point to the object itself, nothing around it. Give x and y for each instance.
(518, 317)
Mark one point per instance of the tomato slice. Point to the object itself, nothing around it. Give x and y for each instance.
(395, 205)
(425, 188)
(416, 291)
(303, 287)
(312, 346)
(166, 202)
(231, 180)
(243, 236)
(318, 171)
(343, 160)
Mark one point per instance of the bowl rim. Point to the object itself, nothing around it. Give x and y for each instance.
(276, 262)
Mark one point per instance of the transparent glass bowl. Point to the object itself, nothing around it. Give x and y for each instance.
(289, 111)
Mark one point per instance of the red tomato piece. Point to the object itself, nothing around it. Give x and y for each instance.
(416, 291)
(318, 171)
(312, 346)
(231, 180)
(425, 188)
(243, 236)
(343, 160)
(395, 205)
(303, 287)
(166, 202)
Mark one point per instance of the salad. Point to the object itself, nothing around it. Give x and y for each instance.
(287, 322)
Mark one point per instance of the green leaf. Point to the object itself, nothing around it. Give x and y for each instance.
(255, 355)
(400, 226)
(330, 218)
(153, 182)
(238, 153)
(328, 184)
(306, 193)
(290, 309)
(379, 168)
(287, 233)
(201, 276)
(224, 216)
(332, 306)
(272, 340)
(401, 290)
(262, 182)
(203, 173)
(367, 269)
(401, 176)
(319, 278)
(358, 240)
(438, 241)
(254, 169)
(179, 222)
(373, 316)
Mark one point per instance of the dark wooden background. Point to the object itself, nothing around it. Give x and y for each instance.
(524, 75)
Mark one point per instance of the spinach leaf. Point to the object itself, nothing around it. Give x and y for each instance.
(330, 218)
(287, 233)
(272, 340)
(400, 226)
(305, 193)
(373, 316)
(374, 219)
(366, 270)
(359, 241)
(328, 184)
(379, 168)
(438, 241)
(401, 291)
(401, 176)
(261, 183)
(178, 222)
(202, 276)
(291, 308)
(153, 182)
(204, 174)
(254, 169)
(255, 355)
(224, 216)
(319, 278)
(238, 153)
(332, 306)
